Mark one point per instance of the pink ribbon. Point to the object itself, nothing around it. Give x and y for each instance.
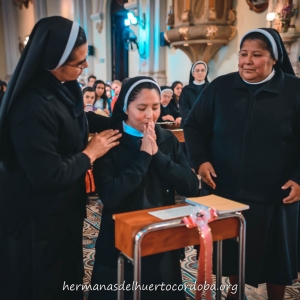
(200, 217)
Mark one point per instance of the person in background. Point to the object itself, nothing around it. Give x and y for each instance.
(116, 87)
(89, 96)
(109, 95)
(91, 80)
(2, 89)
(81, 83)
(3, 85)
(44, 156)
(243, 139)
(101, 101)
(108, 91)
(142, 173)
(176, 87)
(197, 82)
(167, 111)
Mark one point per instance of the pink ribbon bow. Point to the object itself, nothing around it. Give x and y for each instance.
(200, 217)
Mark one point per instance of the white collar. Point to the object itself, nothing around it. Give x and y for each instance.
(199, 83)
(265, 80)
(131, 131)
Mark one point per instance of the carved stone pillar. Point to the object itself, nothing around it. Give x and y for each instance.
(10, 31)
(153, 62)
(82, 11)
(40, 9)
(201, 27)
(159, 72)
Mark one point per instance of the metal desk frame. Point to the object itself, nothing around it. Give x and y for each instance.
(136, 260)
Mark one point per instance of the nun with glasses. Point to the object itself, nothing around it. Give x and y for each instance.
(142, 172)
(243, 138)
(44, 155)
(197, 82)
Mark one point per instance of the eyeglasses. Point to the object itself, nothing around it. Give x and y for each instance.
(81, 66)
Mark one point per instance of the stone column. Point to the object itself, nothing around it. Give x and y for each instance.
(82, 12)
(149, 39)
(40, 9)
(159, 68)
(10, 30)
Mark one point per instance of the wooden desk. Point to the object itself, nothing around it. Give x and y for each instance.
(177, 131)
(139, 234)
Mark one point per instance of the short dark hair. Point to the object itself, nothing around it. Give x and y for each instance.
(81, 40)
(88, 89)
(92, 76)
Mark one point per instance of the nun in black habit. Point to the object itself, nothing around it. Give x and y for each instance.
(142, 172)
(44, 155)
(168, 113)
(243, 138)
(197, 82)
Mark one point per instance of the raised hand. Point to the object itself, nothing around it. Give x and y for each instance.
(146, 142)
(149, 140)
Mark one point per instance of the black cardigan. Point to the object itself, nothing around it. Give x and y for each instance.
(253, 142)
(46, 179)
(187, 99)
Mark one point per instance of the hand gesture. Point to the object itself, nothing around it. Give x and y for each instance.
(101, 143)
(106, 111)
(168, 118)
(206, 170)
(294, 195)
(148, 142)
(178, 121)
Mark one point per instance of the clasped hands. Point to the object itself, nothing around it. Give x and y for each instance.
(149, 139)
(207, 172)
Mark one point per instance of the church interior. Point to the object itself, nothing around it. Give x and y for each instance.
(160, 39)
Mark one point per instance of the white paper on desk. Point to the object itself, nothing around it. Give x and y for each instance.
(172, 213)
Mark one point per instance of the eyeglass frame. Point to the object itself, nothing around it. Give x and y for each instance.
(81, 67)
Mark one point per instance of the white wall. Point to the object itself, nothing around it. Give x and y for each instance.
(64, 8)
(2, 50)
(102, 43)
(178, 66)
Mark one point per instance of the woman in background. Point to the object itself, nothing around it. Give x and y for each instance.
(2, 89)
(168, 113)
(101, 101)
(176, 87)
(197, 82)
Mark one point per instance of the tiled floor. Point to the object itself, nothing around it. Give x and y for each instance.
(189, 265)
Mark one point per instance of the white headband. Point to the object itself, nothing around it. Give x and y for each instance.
(70, 44)
(197, 63)
(166, 90)
(269, 37)
(133, 86)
